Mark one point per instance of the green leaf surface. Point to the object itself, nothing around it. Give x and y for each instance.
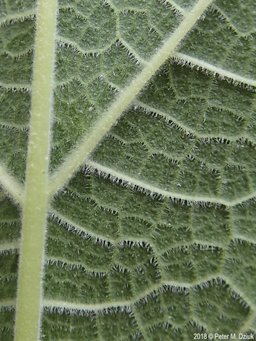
(127, 169)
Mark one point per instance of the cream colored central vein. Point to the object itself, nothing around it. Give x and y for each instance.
(77, 157)
(28, 311)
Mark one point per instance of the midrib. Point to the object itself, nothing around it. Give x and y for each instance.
(29, 294)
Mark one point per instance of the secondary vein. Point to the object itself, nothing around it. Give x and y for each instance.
(88, 143)
(147, 187)
(11, 185)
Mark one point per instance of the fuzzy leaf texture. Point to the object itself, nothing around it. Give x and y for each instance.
(151, 184)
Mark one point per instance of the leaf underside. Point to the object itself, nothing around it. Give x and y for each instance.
(154, 236)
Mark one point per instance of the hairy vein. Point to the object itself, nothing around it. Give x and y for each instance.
(180, 125)
(222, 73)
(11, 186)
(28, 311)
(147, 187)
(57, 305)
(9, 246)
(176, 6)
(76, 158)
(17, 16)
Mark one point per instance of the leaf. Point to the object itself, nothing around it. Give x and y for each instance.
(127, 169)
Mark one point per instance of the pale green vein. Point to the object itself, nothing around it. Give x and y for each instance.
(243, 199)
(67, 42)
(74, 265)
(170, 118)
(175, 6)
(182, 58)
(17, 17)
(249, 323)
(15, 86)
(13, 126)
(7, 305)
(238, 291)
(76, 158)
(61, 219)
(29, 296)
(231, 22)
(199, 324)
(11, 186)
(57, 304)
(147, 187)
(9, 246)
(131, 50)
(74, 226)
(179, 58)
(244, 238)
